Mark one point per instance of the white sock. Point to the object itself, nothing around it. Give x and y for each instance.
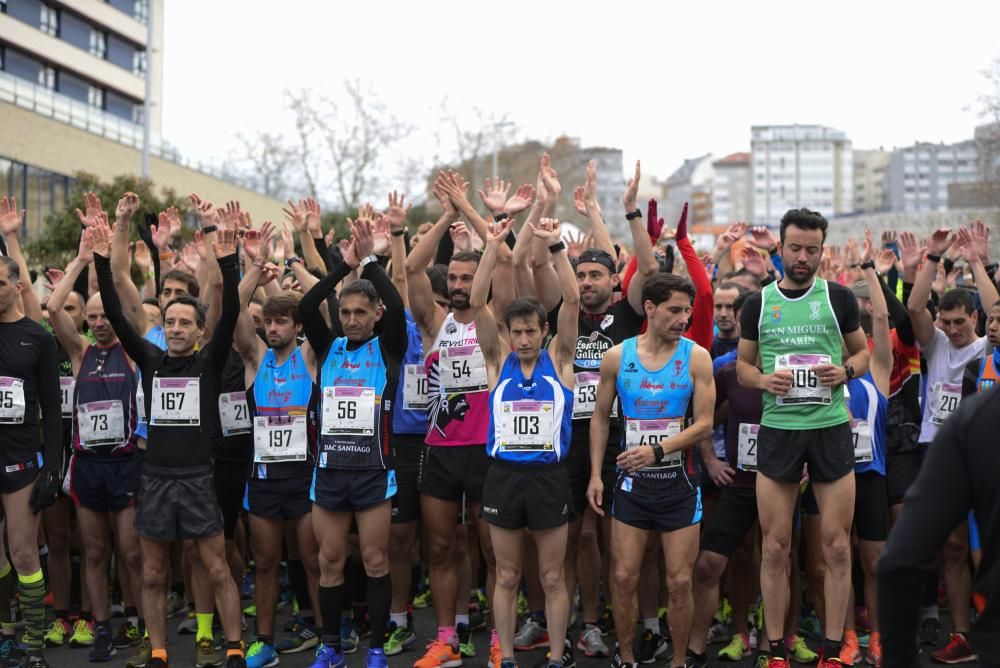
(134, 621)
(929, 612)
(399, 618)
(461, 619)
(651, 624)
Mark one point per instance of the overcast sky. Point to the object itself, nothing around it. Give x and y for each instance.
(663, 81)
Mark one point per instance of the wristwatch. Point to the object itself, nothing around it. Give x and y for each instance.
(633, 215)
(289, 261)
(365, 261)
(849, 371)
(658, 453)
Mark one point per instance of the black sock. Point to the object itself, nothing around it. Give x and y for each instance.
(379, 602)
(357, 582)
(776, 648)
(178, 588)
(694, 655)
(131, 611)
(267, 640)
(86, 616)
(62, 614)
(831, 648)
(142, 625)
(106, 625)
(416, 580)
(300, 584)
(331, 603)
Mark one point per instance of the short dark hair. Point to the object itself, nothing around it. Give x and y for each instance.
(525, 307)
(957, 298)
(659, 288)
(285, 302)
(466, 256)
(438, 275)
(364, 287)
(740, 300)
(13, 270)
(729, 285)
(187, 300)
(193, 288)
(804, 219)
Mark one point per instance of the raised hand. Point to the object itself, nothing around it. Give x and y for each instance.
(54, 276)
(161, 232)
(381, 237)
(632, 190)
(732, 234)
(396, 215)
(940, 241)
(762, 238)
(909, 251)
(230, 216)
(362, 233)
(314, 219)
(127, 206)
(257, 243)
(868, 247)
(269, 272)
(884, 260)
(498, 231)
(495, 196)
(578, 203)
(575, 244)
(979, 240)
(99, 237)
(444, 201)
(754, 263)
(520, 200)
(654, 224)
(888, 237)
(296, 215)
(590, 187)
(10, 218)
(548, 230)
(92, 208)
(549, 178)
(460, 237)
(287, 243)
(226, 241)
(204, 211)
(142, 257)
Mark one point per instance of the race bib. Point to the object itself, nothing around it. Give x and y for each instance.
(66, 386)
(11, 400)
(348, 410)
(462, 369)
(278, 438)
(176, 402)
(861, 434)
(747, 447)
(805, 384)
(585, 395)
(100, 423)
(233, 414)
(415, 387)
(524, 426)
(652, 432)
(945, 398)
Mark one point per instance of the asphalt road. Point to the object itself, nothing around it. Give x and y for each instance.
(181, 650)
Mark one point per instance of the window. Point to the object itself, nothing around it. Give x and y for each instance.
(141, 11)
(3, 6)
(47, 77)
(49, 21)
(99, 44)
(139, 64)
(95, 97)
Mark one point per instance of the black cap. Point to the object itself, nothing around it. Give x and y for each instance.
(600, 257)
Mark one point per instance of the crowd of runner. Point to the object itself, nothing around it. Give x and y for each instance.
(605, 447)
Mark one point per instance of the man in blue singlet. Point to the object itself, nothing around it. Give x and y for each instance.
(530, 428)
(664, 386)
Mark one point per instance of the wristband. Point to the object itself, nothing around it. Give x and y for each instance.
(289, 261)
(365, 261)
(500, 216)
(933, 258)
(556, 247)
(167, 255)
(210, 229)
(398, 233)
(633, 215)
(868, 264)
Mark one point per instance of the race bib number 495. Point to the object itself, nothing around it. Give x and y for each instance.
(652, 432)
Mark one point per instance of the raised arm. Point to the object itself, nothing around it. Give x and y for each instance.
(586, 197)
(453, 185)
(224, 251)
(299, 216)
(396, 217)
(10, 225)
(486, 324)
(549, 232)
(524, 283)
(646, 265)
(920, 317)
(120, 260)
(62, 324)
(544, 274)
(976, 253)
(881, 360)
(703, 309)
(426, 313)
(319, 334)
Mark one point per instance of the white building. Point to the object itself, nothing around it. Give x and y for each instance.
(919, 175)
(692, 183)
(732, 189)
(798, 166)
(870, 178)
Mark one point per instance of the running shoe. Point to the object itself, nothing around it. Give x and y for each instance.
(809, 626)
(261, 655)
(496, 656)
(531, 635)
(717, 633)
(189, 625)
(206, 655)
(301, 636)
(104, 647)
(376, 659)
(929, 630)
(439, 655)
(646, 645)
(423, 599)
(328, 657)
(176, 605)
(606, 622)
(398, 639)
(874, 656)
(10, 653)
(958, 650)
(348, 637)
(724, 612)
(58, 633)
(850, 651)
(737, 649)
(34, 659)
(127, 636)
(801, 653)
(143, 654)
(591, 644)
(83, 634)
(465, 645)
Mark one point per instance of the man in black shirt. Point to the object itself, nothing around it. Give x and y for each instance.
(29, 479)
(176, 496)
(960, 473)
(726, 322)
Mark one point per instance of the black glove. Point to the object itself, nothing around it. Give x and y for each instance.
(46, 490)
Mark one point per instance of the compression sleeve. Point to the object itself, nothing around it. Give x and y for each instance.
(142, 352)
(222, 339)
(394, 335)
(317, 333)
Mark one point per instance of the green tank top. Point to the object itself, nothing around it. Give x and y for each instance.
(796, 334)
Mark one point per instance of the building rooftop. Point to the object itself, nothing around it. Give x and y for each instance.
(740, 158)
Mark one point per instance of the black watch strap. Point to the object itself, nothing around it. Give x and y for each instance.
(633, 215)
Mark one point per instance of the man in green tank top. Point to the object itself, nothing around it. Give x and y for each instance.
(799, 328)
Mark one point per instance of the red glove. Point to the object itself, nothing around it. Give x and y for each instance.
(682, 224)
(654, 224)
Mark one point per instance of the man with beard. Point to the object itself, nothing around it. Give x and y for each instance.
(799, 326)
(278, 376)
(102, 470)
(947, 350)
(455, 463)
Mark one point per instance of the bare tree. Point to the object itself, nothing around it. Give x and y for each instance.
(272, 162)
(341, 143)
